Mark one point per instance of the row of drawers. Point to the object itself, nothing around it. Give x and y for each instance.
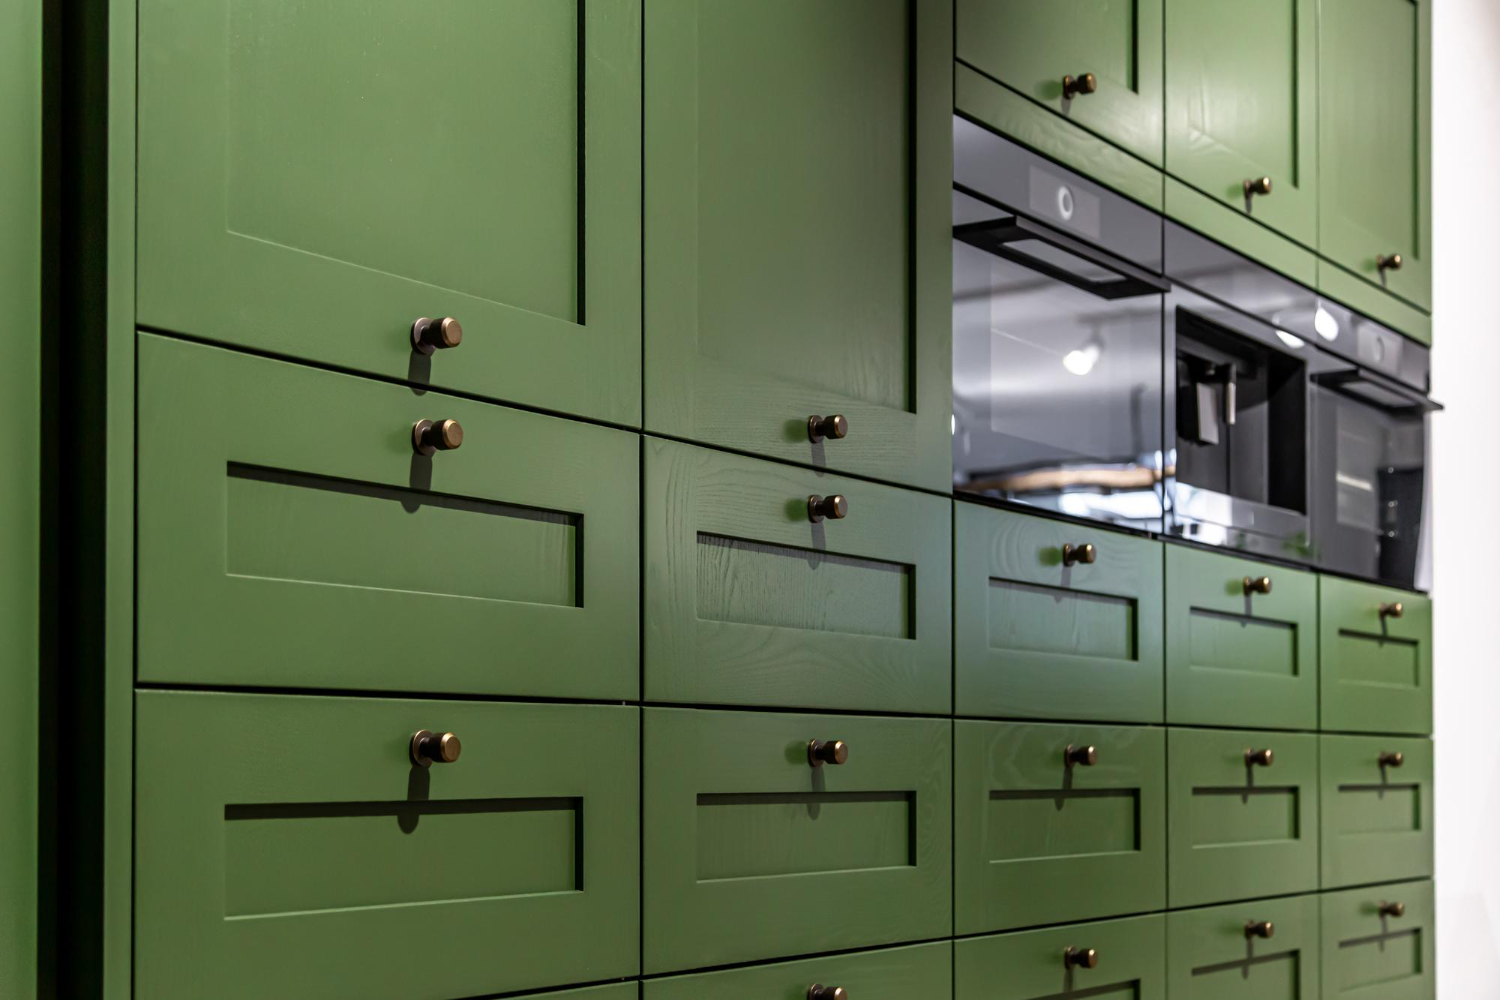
(291, 536)
(288, 845)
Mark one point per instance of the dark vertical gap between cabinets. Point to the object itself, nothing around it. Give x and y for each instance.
(581, 129)
(913, 203)
(640, 590)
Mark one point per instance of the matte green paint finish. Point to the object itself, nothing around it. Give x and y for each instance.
(288, 846)
(924, 971)
(290, 536)
(1036, 639)
(1039, 841)
(750, 603)
(1236, 831)
(1374, 957)
(1242, 103)
(1030, 47)
(1376, 670)
(1361, 296)
(751, 853)
(1210, 957)
(314, 178)
(1198, 211)
(1375, 139)
(1237, 659)
(1030, 965)
(798, 244)
(1377, 820)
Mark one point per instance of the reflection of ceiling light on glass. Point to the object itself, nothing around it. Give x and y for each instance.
(953, 424)
(1081, 361)
(1291, 340)
(1325, 324)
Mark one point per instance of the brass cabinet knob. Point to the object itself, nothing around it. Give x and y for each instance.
(1259, 758)
(1395, 609)
(835, 506)
(1259, 929)
(820, 752)
(434, 748)
(834, 426)
(1257, 185)
(1391, 263)
(1083, 756)
(1083, 958)
(1257, 585)
(428, 436)
(428, 335)
(1392, 909)
(1392, 758)
(1083, 83)
(1085, 554)
(817, 991)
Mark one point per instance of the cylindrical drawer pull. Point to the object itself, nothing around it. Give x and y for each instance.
(1392, 909)
(428, 335)
(835, 506)
(434, 748)
(1259, 929)
(428, 436)
(1259, 758)
(1257, 585)
(820, 752)
(817, 991)
(1393, 610)
(1257, 185)
(833, 426)
(1391, 263)
(1085, 553)
(1083, 958)
(1083, 83)
(1392, 758)
(1084, 756)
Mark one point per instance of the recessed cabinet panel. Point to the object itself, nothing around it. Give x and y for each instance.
(1376, 658)
(1056, 823)
(291, 534)
(1379, 943)
(1377, 809)
(289, 846)
(314, 178)
(924, 971)
(1055, 621)
(798, 171)
(759, 844)
(1262, 950)
(1048, 964)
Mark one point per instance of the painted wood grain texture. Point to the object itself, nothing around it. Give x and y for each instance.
(1209, 956)
(1375, 670)
(1030, 965)
(1377, 957)
(924, 971)
(1377, 819)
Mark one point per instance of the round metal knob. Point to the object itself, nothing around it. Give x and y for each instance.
(834, 426)
(1392, 758)
(434, 748)
(1392, 909)
(428, 436)
(817, 991)
(1259, 929)
(1257, 185)
(428, 335)
(834, 506)
(1085, 554)
(1259, 758)
(1083, 756)
(1083, 958)
(1257, 584)
(1393, 610)
(820, 752)
(1083, 83)
(1391, 263)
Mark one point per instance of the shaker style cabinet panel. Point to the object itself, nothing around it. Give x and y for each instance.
(1374, 146)
(1375, 658)
(291, 533)
(1242, 107)
(798, 262)
(1262, 950)
(1379, 943)
(768, 584)
(924, 971)
(1098, 63)
(759, 843)
(313, 178)
(1054, 620)
(1377, 809)
(1111, 959)
(291, 846)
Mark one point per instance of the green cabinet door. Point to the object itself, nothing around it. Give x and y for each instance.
(1375, 660)
(1038, 632)
(1377, 809)
(1242, 106)
(289, 846)
(1237, 656)
(1374, 141)
(749, 601)
(290, 535)
(1242, 815)
(1379, 943)
(1031, 47)
(798, 230)
(1035, 965)
(313, 178)
(1264, 950)
(754, 849)
(921, 971)
(1042, 836)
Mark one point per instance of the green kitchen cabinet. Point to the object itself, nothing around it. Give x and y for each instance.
(290, 846)
(1242, 107)
(1374, 142)
(1054, 823)
(1242, 815)
(1379, 943)
(924, 970)
(798, 235)
(1050, 964)
(1263, 950)
(1035, 48)
(1242, 642)
(291, 535)
(758, 844)
(1054, 620)
(1375, 658)
(312, 179)
(1377, 809)
(750, 601)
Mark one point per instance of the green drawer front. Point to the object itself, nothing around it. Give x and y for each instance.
(1037, 638)
(1237, 830)
(751, 853)
(1222, 952)
(290, 536)
(1376, 664)
(1038, 840)
(1369, 953)
(750, 602)
(287, 846)
(921, 972)
(1377, 813)
(1237, 658)
(1033, 965)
